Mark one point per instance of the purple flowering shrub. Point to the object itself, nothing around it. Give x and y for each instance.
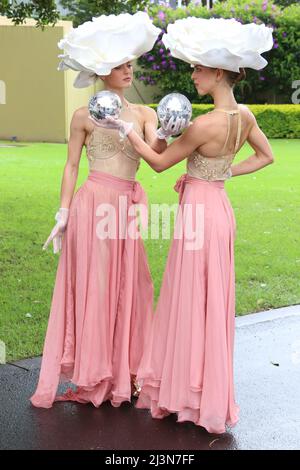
(273, 83)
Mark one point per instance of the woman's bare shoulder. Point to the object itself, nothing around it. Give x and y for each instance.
(204, 121)
(146, 112)
(201, 126)
(81, 113)
(246, 112)
(81, 119)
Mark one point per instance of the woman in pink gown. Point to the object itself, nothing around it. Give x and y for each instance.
(187, 365)
(102, 300)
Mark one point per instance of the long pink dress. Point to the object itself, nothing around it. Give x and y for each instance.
(187, 366)
(102, 301)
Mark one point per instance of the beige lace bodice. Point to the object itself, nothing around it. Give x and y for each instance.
(107, 152)
(215, 168)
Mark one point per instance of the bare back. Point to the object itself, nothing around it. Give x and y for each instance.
(227, 132)
(220, 123)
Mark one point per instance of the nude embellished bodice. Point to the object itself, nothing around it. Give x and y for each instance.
(215, 168)
(108, 152)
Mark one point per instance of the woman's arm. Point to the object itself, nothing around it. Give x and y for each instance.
(194, 136)
(76, 142)
(150, 127)
(263, 153)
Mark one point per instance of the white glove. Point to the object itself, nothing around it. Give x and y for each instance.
(111, 123)
(174, 126)
(61, 218)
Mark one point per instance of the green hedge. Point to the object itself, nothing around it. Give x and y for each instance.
(281, 121)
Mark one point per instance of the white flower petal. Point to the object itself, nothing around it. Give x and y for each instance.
(84, 79)
(219, 42)
(97, 46)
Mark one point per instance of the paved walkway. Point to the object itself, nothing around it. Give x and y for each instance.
(267, 383)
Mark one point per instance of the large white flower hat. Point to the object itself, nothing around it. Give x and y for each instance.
(97, 46)
(219, 42)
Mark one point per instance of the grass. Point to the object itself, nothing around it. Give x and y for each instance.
(267, 254)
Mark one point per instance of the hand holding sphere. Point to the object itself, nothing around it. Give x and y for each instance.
(105, 108)
(174, 113)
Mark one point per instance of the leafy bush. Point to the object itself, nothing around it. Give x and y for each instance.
(272, 84)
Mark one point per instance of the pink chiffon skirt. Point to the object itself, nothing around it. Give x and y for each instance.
(187, 365)
(102, 302)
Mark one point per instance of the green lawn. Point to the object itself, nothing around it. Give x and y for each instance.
(267, 249)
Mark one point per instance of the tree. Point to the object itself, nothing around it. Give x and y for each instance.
(285, 3)
(282, 3)
(83, 10)
(43, 11)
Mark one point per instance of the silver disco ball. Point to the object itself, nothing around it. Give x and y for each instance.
(105, 103)
(173, 105)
